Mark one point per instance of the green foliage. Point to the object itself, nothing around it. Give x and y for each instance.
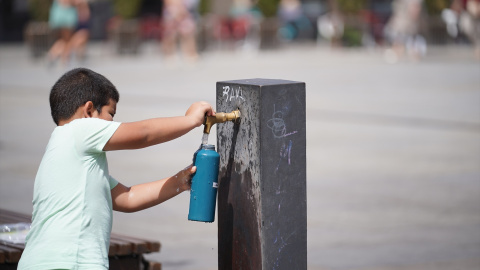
(352, 37)
(127, 9)
(351, 6)
(435, 7)
(39, 9)
(268, 8)
(204, 7)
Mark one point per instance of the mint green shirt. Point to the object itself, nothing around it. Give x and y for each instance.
(72, 203)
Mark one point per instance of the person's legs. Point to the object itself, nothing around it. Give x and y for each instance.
(168, 44)
(189, 47)
(188, 39)
(56, 50)
(60, 48)
(79, 42)
(66, 35)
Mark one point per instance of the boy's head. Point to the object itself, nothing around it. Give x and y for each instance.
(77, 87)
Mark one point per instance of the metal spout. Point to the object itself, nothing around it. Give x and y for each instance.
(219, 117)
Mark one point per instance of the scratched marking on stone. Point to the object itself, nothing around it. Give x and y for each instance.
(282, 244)
(277, 125)
(233, 94)
(285, 153)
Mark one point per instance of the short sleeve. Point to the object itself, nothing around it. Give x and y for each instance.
(112, 182)
(91, 134)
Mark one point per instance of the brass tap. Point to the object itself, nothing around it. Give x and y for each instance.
(219, 117)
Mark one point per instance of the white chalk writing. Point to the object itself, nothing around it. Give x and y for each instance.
(233, 94)
(277, 125)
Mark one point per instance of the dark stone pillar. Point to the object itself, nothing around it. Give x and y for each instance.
(262, 205)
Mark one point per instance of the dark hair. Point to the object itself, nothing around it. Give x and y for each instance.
(75, 88)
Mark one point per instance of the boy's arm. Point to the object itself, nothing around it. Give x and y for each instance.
(149, 132)
(139, 197)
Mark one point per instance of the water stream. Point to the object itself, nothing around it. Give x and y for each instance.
(205, 138)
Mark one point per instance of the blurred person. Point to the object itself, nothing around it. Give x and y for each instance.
(293, 19)
(450, 17)
(62, 20)
(179, 24)
(71, 20)
(81, 35)
(331, 25)
(243, 25)
(464, 16)
(402, 30)
(471, 25)
(74, 194)
(192, 6)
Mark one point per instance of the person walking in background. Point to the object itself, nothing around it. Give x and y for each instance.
(82, 33)
(178, 24)
(402, 30)
(293, 20)
(63, 20)
(468, 19)
(70, 20)
(331, 25)
(473, 9)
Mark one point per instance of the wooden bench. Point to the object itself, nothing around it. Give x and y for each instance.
(125, 252)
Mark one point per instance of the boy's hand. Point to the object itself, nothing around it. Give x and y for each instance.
(198, 110)
(142, 196)
(184, 178)
(140, 134)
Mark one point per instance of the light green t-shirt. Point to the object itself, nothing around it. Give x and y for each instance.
(72, 203)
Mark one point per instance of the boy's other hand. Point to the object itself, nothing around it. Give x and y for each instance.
(198, 110)
(185, 177)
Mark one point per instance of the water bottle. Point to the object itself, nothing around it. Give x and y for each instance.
(203, 194)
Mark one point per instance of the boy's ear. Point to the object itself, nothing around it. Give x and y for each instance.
(88, 109)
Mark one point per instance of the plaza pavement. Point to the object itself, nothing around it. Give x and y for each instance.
(393, 151)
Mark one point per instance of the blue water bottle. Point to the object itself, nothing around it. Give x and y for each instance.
(203, 194)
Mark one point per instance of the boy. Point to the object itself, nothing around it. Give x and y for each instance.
(74, 195)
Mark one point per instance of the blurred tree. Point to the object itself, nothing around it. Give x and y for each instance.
(352, 37)
(37, 33)
(39, 9)
(268, 8)
(204, 7)
(351, 6)
(354, 25)
(127, 9)
(125, 28)
(435, 7)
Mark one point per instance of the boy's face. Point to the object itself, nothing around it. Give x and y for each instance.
(107, 112)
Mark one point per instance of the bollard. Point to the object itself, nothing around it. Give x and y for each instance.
(262, 206)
